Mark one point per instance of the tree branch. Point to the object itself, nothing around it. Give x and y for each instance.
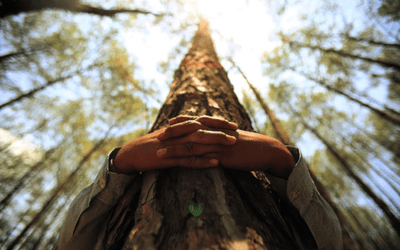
(110, 13)
(15, 7)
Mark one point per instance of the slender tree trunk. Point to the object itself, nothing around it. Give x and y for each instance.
(362, 234)
(5, 57)
(32, 241)
(345, 54)
(380, 113)
(54, 196)
(238, 212)
(283, 136)
(33, 91)
(23, 52)
(43, 230)
(381, 141)
(394, 221)
(366, 148)
(394, 117)
(48, 84)
(373, 42)
(26, 177)
(358, 239)
(388, 244)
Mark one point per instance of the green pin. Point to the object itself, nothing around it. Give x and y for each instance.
(196, 209)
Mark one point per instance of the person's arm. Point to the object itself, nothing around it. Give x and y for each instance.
(89, 210)
(284, 167)
(301, 192)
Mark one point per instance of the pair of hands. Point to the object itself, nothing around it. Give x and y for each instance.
(192, 141)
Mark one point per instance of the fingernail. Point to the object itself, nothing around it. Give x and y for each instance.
(161, 152)
(233, 124)
(232, 138)
(214, 162)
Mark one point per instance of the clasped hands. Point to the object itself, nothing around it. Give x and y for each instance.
(192, 141)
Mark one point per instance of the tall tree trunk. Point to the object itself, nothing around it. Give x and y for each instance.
(10, 55)
(48, 84)
(382, 172)
(381, 141)
(361, 233)
(283, 136)
(380, 113)
(371, 41)
(394, 221)
(32, 241)
(31, 51)
(33, 91)
(394, 117)
(55, 195)
(238, 212)
(19, 184)
(345, 54)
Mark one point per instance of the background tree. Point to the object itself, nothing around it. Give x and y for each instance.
(281, 134)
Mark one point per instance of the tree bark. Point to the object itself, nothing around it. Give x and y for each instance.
(394, 221)
(284, 138)
(239, 212)
(15, 7)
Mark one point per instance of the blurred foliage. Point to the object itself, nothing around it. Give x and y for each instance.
(368, 143)
(95, 95)
(390, 8)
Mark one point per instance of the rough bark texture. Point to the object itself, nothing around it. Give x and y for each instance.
(239, 212)
(348, 243)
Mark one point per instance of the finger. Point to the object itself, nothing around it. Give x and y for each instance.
(209, 121)
(187, 149)
(208, 136)
(211, 137)
(180, 129)
(181, 118)
(193, 162)
(216, 122)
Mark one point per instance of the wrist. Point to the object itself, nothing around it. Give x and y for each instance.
(120, 165)
(283, 163)
(112, 160)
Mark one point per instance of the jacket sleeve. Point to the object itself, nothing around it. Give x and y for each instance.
(92, 205)
(300, 191)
